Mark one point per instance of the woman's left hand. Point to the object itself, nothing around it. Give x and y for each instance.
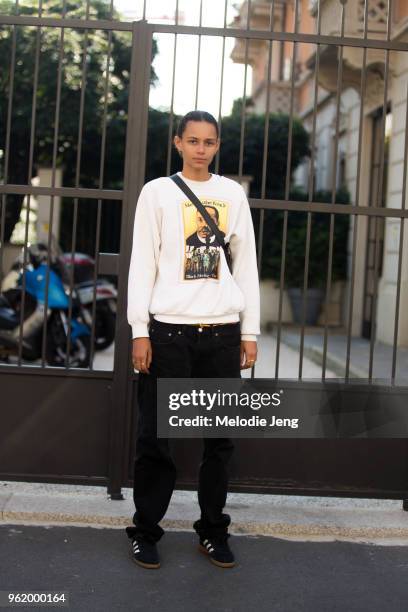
(249, 350)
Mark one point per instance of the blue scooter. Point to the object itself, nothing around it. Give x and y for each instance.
(34, 305)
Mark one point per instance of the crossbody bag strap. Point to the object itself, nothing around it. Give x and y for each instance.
(191, 196)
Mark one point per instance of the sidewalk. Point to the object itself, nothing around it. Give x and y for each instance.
(337, 352)
(265, 365)
(312, 356)
(293, 517)
(289, 355)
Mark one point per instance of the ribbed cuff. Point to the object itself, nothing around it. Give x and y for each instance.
(139, 330)
(248, 337)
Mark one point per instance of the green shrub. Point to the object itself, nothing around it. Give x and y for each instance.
(296, 242)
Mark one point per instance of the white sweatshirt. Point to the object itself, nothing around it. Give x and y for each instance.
(178, 273)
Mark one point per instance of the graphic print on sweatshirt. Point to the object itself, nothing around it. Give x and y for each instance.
(201, 247)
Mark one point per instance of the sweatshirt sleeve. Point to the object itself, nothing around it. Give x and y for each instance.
(245, 269)
(143, 262)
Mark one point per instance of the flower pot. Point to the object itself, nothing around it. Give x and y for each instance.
(314, 299)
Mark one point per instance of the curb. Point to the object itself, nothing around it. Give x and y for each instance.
(384, 535)
(302, 518)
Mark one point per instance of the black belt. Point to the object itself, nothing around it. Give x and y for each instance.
(198, 325)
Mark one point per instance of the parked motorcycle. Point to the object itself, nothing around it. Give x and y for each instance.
(34, 304)
(106, 298)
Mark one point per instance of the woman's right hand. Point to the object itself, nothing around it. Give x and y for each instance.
(142, 354)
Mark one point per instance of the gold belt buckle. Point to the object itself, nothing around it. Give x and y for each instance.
(205, 324)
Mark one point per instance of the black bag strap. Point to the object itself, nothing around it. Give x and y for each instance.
(191, 196)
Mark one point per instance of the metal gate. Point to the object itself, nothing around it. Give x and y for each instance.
(69, 424)
(77, 424)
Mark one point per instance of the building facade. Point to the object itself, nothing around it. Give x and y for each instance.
(377, 139)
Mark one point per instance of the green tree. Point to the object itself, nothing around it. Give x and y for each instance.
(277, 149)
(22, 95)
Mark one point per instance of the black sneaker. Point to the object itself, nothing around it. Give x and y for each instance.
(218, 550)
(145, 553)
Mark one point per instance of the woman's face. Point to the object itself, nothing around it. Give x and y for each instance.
(199, 144)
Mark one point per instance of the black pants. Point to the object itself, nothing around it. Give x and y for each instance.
(182, 351)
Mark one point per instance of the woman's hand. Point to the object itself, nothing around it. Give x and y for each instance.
(142, 354)
(249, 351)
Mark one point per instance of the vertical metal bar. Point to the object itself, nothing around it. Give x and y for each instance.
(272, 16)
(292, 89)
(2, 223)
(282, 275)
(333, 195)
(77, 177)
(260, 243)
(400, 249)
(242, 132)
(305, 282)
(373, 330)
(30, 169)
(338, 94)
(217, 156)
(265, 151)
(170, 132)
(328, 288)
(54, 162)
(306, 270)
(315, 103)
(7, 143)
(101, 181)
(287, 186)
(136, 138)
(198, 55)
(267, 117)
(282, 42)
(357, 198)
(352, 281)
(243, 113)
(310, 197)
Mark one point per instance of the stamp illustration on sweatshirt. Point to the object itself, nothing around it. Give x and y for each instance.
(202, 251)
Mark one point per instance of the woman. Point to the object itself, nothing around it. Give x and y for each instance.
(190, 317)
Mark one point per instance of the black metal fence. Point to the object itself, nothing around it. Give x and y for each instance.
(76, 83)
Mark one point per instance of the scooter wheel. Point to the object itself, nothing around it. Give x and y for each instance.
(104, 326)
(56, 350)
